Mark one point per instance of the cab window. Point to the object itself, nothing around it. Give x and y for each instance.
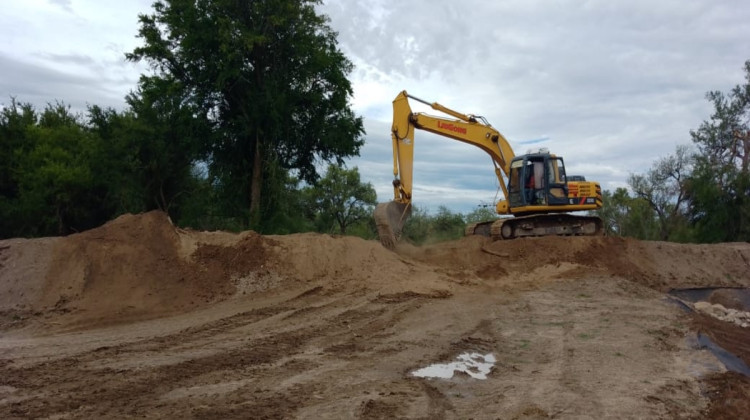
(556, 171)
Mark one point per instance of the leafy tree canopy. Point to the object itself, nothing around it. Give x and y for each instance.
(719, 190)
(341, 199)
(266, 76)
(664, 186)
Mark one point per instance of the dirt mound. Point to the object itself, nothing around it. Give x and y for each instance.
(129, 268)
(351, 263)
(135, 267)
(659, 265)
(23, 267)
(141, 266)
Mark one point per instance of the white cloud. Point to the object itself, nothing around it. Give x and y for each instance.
(68, 50)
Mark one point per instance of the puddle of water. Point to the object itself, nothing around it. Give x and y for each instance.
(476, 365)
(728, 304)
(730, 361)
(701, 363)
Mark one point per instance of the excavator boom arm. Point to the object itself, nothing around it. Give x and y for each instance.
(466, 128)
(390, 217)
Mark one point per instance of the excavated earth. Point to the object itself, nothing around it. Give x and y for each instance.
(138, 318)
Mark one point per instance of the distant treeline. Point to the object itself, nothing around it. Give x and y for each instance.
(62, 172)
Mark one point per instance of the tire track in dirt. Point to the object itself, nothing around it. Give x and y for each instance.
(61, 381)
(56, 387)
(139, 384)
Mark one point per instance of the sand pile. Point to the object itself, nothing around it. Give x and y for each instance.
(131, 268)
(23, 267)
(128, 268)
(659, 265)
(352, 263)
(141, 266)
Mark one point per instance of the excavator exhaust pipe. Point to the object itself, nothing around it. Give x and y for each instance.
(389, 219)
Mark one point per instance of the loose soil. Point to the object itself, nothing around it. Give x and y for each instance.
(140, 319)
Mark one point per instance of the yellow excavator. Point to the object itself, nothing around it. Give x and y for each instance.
(536, 190)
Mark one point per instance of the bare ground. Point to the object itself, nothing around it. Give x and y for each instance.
(139, 319)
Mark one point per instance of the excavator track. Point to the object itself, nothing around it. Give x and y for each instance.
(481, 229)
(538, 225)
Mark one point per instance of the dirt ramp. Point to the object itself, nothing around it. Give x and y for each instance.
(352, 263)
(466, 253)
(492, 260)
(528, 253)
(664, 265)
(659, 265)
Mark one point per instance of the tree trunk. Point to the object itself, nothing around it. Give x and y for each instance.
(745, 140)
(255, 184)
(60, 224)
(663, 227)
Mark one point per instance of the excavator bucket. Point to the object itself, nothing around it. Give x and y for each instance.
(390, 218)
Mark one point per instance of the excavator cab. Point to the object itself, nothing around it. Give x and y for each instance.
(536, 179)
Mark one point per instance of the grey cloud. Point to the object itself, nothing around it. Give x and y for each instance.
(76, 59)
(534, 48)
(39, 84)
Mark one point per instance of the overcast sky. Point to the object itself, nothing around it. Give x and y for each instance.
(609, 85)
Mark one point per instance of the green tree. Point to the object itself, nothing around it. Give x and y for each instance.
(624, 215)
(720, 187)
(642, 221)
(118, 166)
(15, 121)
(481, 214)
(720, 211)
(418, 226)
(340, 199)
(664, 188)
(447, 225)
(423, 228)
(614, 210)
(286, 212)
(59, 191)
(265, 76)
(68, 172)
(62, 172)
(166, 141)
